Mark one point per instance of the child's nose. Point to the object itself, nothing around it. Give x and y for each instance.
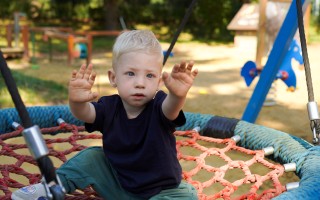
(140, 82)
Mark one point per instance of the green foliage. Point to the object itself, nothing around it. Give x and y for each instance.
(211, 18)
(208, 20)
(70, 9)
(314, 29)
(317, 23)
(7, 8)
(103, 43)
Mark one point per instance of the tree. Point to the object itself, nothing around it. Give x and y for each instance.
(111, 14)
(208, 20)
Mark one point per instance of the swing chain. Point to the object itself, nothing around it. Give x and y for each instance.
(315, 127)
(314, 121)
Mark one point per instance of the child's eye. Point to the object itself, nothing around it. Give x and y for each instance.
(130, 73)
(150, 75)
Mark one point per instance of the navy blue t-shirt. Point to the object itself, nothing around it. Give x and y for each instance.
(141, 150)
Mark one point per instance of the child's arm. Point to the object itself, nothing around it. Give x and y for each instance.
(80, 94)
(178, 82)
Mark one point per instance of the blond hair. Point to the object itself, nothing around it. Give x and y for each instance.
(136, 41)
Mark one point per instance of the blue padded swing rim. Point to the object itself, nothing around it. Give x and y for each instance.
(288, 148)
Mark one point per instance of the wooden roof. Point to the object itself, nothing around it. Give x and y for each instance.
(246, 19)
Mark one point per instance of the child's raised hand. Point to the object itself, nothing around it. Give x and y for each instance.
(81, 83)
(180, 80)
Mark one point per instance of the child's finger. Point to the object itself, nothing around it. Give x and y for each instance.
(182, 66)
(189, 66)
(176, 68)
(195, 72)
(81, 72)
(88, 72)
(92, 78)
(164, 76)
(74, 74)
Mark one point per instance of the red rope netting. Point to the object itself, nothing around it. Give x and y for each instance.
(218, 174)
(199, 167)
(20, 153)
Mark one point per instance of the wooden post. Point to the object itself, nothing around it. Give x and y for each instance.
(307, 21)
(70, 48)
(261, 32)
(9, 35)
(50, 48)
(89, 48)
(25, 41)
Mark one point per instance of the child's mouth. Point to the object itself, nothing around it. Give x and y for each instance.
(138, 95)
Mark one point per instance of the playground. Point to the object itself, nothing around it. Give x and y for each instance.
(53, 52)
(218, 90)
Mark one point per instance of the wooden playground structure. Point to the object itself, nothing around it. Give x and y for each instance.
(20, 32)
(72, 38)
(13, 33)
(252, 20)
(11, 50)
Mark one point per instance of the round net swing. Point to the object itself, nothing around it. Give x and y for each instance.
(206, 160)
(218, 168)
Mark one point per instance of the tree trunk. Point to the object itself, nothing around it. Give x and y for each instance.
(111, 16)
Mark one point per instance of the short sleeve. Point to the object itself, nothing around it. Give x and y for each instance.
(180, 120)
(105, 109)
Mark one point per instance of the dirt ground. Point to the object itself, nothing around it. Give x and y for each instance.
(220, 90)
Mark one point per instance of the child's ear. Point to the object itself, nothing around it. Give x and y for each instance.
(112, 77)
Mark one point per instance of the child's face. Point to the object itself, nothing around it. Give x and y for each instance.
(137, 77)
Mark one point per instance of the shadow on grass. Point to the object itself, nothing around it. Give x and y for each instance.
(33, 91)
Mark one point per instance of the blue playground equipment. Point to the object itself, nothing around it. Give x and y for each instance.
(80, 50)
(170, 54)
(249, 71)
(276, 60)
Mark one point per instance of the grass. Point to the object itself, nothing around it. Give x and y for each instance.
(34, 91)
(43, 82)
(99, 44)
(313, 35)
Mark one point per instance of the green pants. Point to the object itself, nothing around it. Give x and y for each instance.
(90, 168)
